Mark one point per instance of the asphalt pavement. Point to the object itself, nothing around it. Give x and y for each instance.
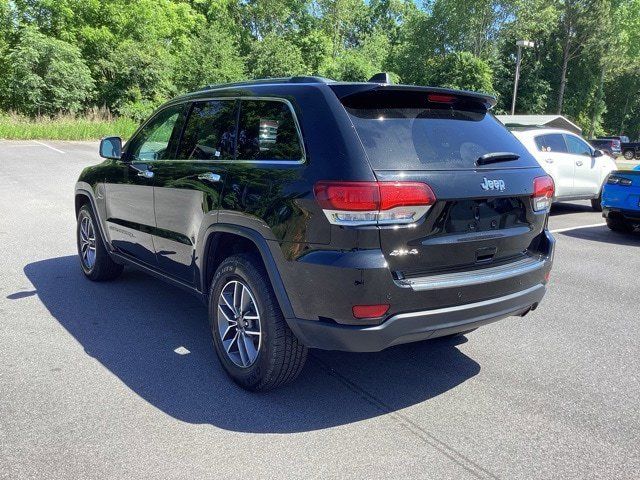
(119, 380)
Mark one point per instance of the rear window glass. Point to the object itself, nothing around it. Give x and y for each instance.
(431, 137)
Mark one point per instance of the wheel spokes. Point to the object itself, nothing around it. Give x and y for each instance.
(238, 323)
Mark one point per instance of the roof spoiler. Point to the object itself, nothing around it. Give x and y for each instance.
(355, 90)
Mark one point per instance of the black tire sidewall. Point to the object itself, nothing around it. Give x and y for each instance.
(240, 267)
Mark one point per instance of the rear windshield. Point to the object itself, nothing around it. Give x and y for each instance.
(432, 136)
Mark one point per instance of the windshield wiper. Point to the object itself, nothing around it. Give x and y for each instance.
(496, 157)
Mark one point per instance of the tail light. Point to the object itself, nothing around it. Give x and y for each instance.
(616, 180)
(543, 190)
(374, 203)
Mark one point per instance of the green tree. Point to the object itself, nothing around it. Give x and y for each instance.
(275, 56)
(45, 76)
(211, 57)
(461, 70)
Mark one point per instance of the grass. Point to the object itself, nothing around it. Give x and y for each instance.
(92, 126)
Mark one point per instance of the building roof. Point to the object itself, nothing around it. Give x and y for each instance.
(555, 121)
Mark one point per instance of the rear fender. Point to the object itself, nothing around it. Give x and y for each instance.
(270, 256)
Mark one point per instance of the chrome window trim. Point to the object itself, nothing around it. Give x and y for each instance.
(300, 161)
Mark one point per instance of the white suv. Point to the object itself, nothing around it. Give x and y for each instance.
(578, 169)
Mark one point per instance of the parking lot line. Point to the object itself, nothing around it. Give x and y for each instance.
(48, 146)
(567, 229)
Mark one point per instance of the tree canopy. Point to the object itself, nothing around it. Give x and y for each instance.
(131, 55)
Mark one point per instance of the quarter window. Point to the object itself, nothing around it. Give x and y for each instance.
(553, 142)
(210, 130)
(267, 131)
(152, 142)
(577, 146)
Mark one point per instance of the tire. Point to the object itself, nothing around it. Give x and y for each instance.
(618, 225)
(596, 203)
(274, 356)
(95, 261)
(629, 154)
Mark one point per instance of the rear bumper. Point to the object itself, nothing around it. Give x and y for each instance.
(631, 216)
(415, 326)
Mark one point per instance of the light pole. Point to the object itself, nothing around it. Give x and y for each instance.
(520, 44)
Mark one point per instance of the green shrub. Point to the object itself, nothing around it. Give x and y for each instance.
(64, 127)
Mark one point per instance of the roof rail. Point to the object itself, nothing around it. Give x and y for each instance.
(267, 81)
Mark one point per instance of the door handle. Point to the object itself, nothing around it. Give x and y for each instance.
(209, 177)
(578, 162)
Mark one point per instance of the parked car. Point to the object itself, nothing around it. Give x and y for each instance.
(621, 138)
(610, 146)
(308, 213)
(578, 170)
(621, 200)
(631, 150)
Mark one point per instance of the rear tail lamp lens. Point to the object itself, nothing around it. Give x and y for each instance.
(616, 180)
(369, 311)
(543, 189)
(374, 203)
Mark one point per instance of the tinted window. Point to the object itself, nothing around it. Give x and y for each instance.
(420, 137)
(577, 146)
(551, 143)
(152, 142)
(267, 131)
(209, 132)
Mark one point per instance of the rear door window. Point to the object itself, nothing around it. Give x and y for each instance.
(209, 133)
(553, 142)
(577, 146)
(267, 131)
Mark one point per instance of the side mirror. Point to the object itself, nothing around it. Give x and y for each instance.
(598, 153)
(111, 147)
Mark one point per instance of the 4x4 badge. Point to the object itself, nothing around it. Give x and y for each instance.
(493, 184)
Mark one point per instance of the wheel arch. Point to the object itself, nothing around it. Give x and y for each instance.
(223, 240)
(85, 197)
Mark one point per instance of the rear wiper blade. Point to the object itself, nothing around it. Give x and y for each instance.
(496, 157)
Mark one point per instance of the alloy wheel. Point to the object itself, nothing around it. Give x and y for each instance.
(87, 242)
(239, 323)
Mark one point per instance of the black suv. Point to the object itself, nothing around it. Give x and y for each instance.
(311, 213)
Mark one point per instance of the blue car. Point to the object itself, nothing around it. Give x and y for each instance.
(621, 200)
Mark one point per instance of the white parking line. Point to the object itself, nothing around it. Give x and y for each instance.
(48, 146)
(593, 225)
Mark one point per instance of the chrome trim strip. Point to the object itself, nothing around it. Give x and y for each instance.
(468, 306)
(474, 277)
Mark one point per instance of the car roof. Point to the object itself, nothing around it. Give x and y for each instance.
(339, 88)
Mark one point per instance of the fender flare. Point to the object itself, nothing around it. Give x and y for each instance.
(265, 253)
(88, 194)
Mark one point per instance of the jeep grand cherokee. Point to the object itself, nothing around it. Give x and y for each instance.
(308, 213)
